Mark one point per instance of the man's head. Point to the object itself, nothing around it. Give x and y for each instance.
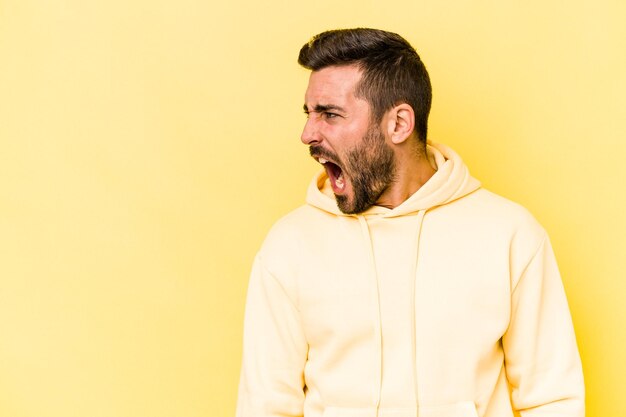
(392, 72)
(367, 93)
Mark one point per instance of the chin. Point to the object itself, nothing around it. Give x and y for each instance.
(345, 205)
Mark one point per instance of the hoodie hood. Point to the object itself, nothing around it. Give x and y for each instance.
(451, 181)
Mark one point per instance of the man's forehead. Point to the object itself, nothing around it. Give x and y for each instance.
(332, 85)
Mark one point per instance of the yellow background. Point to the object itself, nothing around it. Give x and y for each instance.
(147, 146)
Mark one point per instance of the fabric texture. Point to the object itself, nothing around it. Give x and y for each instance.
(449, 305)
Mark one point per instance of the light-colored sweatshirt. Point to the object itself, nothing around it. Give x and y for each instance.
(449, 305)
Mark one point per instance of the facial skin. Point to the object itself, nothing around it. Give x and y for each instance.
(358, 160)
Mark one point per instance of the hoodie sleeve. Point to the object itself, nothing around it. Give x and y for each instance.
(274, 351)
(541, 357)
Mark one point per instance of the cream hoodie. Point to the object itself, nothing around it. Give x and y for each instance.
(449, 305)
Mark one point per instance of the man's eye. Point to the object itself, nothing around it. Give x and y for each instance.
(330, 115)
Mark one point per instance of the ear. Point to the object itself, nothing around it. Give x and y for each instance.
(400, 123)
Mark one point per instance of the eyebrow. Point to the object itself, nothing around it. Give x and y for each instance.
(319, 108)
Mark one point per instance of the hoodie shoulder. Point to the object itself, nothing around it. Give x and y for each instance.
(284, 239)
(502, 214)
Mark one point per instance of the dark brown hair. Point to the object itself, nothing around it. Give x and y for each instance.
(392, 71)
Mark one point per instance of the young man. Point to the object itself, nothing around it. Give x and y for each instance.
(402, 288)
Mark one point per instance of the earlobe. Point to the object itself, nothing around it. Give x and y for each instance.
(401, 123)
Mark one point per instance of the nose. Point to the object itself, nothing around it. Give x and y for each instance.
(310, 134)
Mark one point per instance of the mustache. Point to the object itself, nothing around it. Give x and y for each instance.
(317, 151)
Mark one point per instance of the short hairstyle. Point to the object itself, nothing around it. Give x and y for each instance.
(392, 71)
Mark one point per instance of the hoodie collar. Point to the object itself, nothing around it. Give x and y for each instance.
(451, 181)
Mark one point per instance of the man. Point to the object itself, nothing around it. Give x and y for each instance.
(402, 288)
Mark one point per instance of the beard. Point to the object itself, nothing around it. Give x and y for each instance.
(370, 168)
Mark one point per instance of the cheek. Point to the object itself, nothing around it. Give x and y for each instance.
(345, 136)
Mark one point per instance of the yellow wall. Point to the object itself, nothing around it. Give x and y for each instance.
(147, 146)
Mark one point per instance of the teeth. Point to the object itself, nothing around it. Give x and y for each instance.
(322, 161)
(339, 182)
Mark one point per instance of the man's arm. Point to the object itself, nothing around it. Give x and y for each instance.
(274, 351)
(541, 357)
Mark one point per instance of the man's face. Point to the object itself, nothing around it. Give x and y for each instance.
(341, 136)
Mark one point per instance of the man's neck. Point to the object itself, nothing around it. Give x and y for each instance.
(411, 174)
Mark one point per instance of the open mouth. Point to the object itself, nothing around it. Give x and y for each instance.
(335, 174)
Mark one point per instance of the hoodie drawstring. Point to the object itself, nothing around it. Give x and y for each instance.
(420, 221)
(378, 325)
